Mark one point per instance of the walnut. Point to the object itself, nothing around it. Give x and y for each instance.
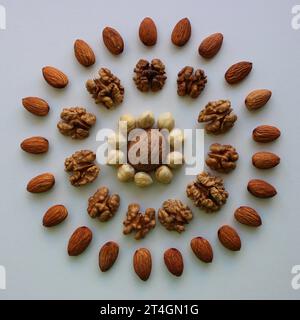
(191, 83)
(150, 76)
(82, 167)
(102, 205)
(76, 122)
(222, 158)
(207, 192)
(106, 89)
(219, 115)
(174, 215)
(139, 222)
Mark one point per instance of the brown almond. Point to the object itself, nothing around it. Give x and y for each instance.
(238, 71)
(41, 183)
(35, 145)
(55, 77)
(113, 40)
(142, 263)
(265, 160)
(108, 255)
(257, 98)
(202, 249)
(261, 189)
(79, 241)
(229, 238)
(148, 32)
(84, 53)
(174, 261)
(247, 216)
(211, 45)
(55, 215)
(36, 106)
(265, 133)
(182, 32)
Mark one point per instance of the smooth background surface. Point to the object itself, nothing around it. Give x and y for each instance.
(42, 33)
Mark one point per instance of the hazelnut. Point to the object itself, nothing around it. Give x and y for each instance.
(131, 121)
(126, 173)
(116, 140)
(164, 174)
(166, 121)
(143, 179)
(176, 138)
(146, 120)
(115, 157)
(175, 159)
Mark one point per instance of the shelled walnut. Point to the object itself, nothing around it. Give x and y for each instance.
(76, 122)
(207, 192)
(82, 167)
(219, 115)
(102, 205)
(149, 76)
(106, 89)
(191, 83)
(174, 215)
(139, 222)
(222, 158)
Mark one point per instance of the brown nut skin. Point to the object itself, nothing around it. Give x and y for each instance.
(182, 32)
(79, 241)
(247, 216)
(113, 40)
(257, 99)
(55, 78)
(35, 145)
(174, 261)
(265, 134)
(148, 32)
(229, 238)
(202, 249)
(84, 53)
(36, 106)
(142, 263)
(261, 189)
(211, 45)
(41, 183)
(265, 160)
(55, 215)
(238, 72)
(108, 255)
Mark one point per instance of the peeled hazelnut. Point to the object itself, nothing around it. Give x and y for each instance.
(143, 179)
(115, 157)
(164, 174)
(166, 121)
(176, 138)
(175, 159)
(126, 173)
(116, 140)
(131, 121)
(146, 120)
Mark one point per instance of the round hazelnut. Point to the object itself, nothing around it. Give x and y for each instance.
(116, 140)
(164, 174)
(176, 138)
(131, 121)
(143, 179)
(166, 121)
(126, 173)
(175, 159)
(146, 120)
(115, 157)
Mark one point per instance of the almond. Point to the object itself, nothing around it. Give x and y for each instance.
(142, 263)
(265, 160)
(261, 189)
(113, 40)
(202, 249)
(174, 261)
(247, 216)
(108, 255)
(79, 241)
(265, 133)
(211, 45)
(35, 145)
(84, 53)
(229, 238)
(148, 32)
(36, 106)
(238, 72)
(55, 215)
(55, 77)
(182, 32)
(257, 98)
(41, 183)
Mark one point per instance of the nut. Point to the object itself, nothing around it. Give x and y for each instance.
(261, 189)
(79, 241)
(257, 99)
(182, 32)
(202, 249)
(265, 133)
(115, 157)
(84, 53)
(176, 138)
(211, 45)
(131, 121)
(113, 40)
(166, 121)
(148, 32)
(36, 106)
(174, 261)
(102, 205)
(229, 238)
(247, 216)
(55, 215)
(126, 173)
(35, 145)
(265, 160)
(175, 159)
(143, 179)
(146, 120)
(55, 77)
(41, 183)
(108, 255)
(142, 263)
(163, 174)
(238, 72)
